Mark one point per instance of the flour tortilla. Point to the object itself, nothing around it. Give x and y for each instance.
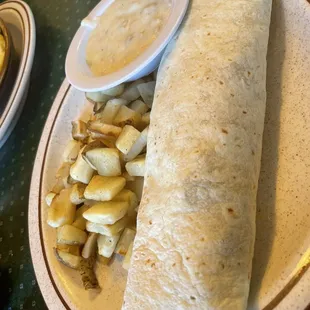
(196, 223)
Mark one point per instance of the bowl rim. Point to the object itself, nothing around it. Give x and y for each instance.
(92, 83)
(7, 51)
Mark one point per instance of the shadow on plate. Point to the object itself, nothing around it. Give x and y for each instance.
(266, 217)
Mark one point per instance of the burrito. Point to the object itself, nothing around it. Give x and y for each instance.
(196, 222)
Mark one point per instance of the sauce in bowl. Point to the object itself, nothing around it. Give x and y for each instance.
(125, 30)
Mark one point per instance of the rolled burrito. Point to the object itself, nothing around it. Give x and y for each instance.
(196, 222)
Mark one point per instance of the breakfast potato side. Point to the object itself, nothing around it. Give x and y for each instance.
(136, 167)
(103, 188)
(71, 235)
(127, 139)
(105, 160)
(107, 230)
(126, 116)
(102, 159)
(62, 210)
(108, 212)
(80, 170)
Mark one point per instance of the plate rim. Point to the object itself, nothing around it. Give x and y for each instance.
(51, 294)
(21, 83)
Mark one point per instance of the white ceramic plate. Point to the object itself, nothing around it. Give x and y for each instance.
(281, 273)
(20, 23)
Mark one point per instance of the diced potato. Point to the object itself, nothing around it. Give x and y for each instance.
(58, 186)
(81, 171)
(146, 91)
(115, 91)
(63, 173)
(132, 222)
(91, 146)
(95, 135)
(127, 259)
(71, 181)
(127, 139)
(97, 108)
(105, 160)
(107, 244)
(128, 177)
(108, 143)
(121, 160)
(69, 234)
(77, 193)
(97, 96)
(139, 106)
(49, 198)
(79, 221)
(145, 120)
(136, 167)
(110, 110)
(79, 130)
(81, 210)
(104, 188)
(72, 249)
(90, 245)
(127, 237)
(131, 93)
(67, 259)
(106, 212)
(89, 140)
(130, 197)
(106, 129)
(103, 260)
(96, 144)
(107, 230)
(71, 151)
(126, 116)
(138, 146)
(90, 202)
(62, 210)
(136, 186)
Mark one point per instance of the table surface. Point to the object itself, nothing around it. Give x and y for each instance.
(56, 23)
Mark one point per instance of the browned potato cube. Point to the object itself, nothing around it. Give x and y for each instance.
(136, 167)
(126, 116)
(69, 234)
(108, 212)
(79, 130)
(139, 106)
(68, 259)
(107, 230)
(62, 210)
(77, 193)
(103, 128)
(103, 188)
(127, 139)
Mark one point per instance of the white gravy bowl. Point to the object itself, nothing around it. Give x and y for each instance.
(79, 73)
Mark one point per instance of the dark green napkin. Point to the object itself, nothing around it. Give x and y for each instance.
(56, 23)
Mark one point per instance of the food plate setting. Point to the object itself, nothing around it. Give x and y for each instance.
(173, 167)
